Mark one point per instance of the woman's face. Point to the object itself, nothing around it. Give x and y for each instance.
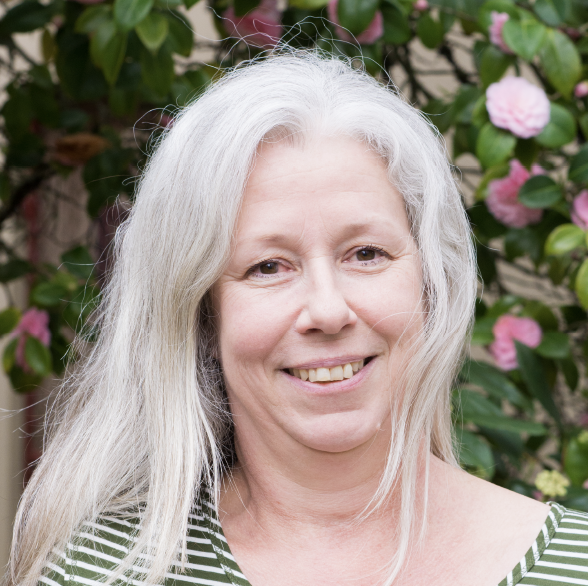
(324, 275)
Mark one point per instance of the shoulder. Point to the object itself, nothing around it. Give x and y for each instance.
(92, 553)
(558, 555)
(97, 549)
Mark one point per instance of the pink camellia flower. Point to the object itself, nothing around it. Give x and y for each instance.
(580, 210)
(506, 330)
(495, 30)
(503, 193)
(421, 5)
(370, 35)
(34, 322)
(260, 27)
(517, 105)
(581, 89)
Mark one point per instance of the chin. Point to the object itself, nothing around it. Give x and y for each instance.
(339, 432)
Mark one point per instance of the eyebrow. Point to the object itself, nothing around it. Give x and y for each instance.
(349, 230)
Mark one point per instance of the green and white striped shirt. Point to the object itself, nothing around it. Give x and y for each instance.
(559, 555)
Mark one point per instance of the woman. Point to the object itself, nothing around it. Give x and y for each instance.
(268, 402)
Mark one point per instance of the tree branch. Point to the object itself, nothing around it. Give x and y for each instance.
(42, 172)
(462, 75)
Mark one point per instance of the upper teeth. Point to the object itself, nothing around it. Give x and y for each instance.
(327, 374)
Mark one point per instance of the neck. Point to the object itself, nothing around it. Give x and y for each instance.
(288, 480)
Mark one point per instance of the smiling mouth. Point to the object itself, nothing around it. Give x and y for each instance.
(327, 375)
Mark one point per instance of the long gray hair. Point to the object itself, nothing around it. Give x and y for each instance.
(144, 421)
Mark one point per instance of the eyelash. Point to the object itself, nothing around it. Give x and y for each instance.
(259, 263)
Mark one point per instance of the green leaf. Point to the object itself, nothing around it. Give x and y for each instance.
(541, 313)
(494, 146)
(91, 19)
(78, 261)
(181, 36)
(554, 345)
(564, 239)
(581, 285)
(493, 65)
(482, 334)
(37, 356)
(524, 37)
(540, 191)
(189, 3)
(14, 269)
(104, 175)
(79, 78)
(552, 12)
(242, 7)
(570, 372)
(308, 4)
(579, 166)
(152, 31)
(494, 382)
(561, 61)
(9, 356)
(533, 374)
(396, 27)
(560, 130)
(25, 17)
(157, 71)
(107, 48)
(474, 450)
(576, 461)
(129, 13)
(583, 122)
(356, 15)
(48, 294)
(508, 424)
(9, 318)
(430, 31)
(81, 306)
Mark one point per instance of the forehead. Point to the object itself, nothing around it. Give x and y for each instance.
(336, 175)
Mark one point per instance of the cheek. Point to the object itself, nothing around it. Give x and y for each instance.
(249, 326)
(392, 307)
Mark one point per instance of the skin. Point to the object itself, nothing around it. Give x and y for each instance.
(325, 271)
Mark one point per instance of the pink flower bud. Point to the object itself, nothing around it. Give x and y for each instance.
(580, 210)
(495, 30)
(502, 200)
(34, 322)
(581, 89)
(166, 120)
(421, 5)
(506, 330)
(519, 106)
(259, 27)
(370, 35)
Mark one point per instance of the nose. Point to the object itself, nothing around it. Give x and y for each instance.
(325, 307)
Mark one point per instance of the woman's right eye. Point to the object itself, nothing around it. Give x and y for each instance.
(267, 269)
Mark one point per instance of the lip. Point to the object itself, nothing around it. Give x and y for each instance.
(331, 362)
(333, 387)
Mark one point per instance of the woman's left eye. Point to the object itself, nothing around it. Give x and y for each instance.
(368, 254)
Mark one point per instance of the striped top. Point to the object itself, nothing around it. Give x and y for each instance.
(559, 555)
